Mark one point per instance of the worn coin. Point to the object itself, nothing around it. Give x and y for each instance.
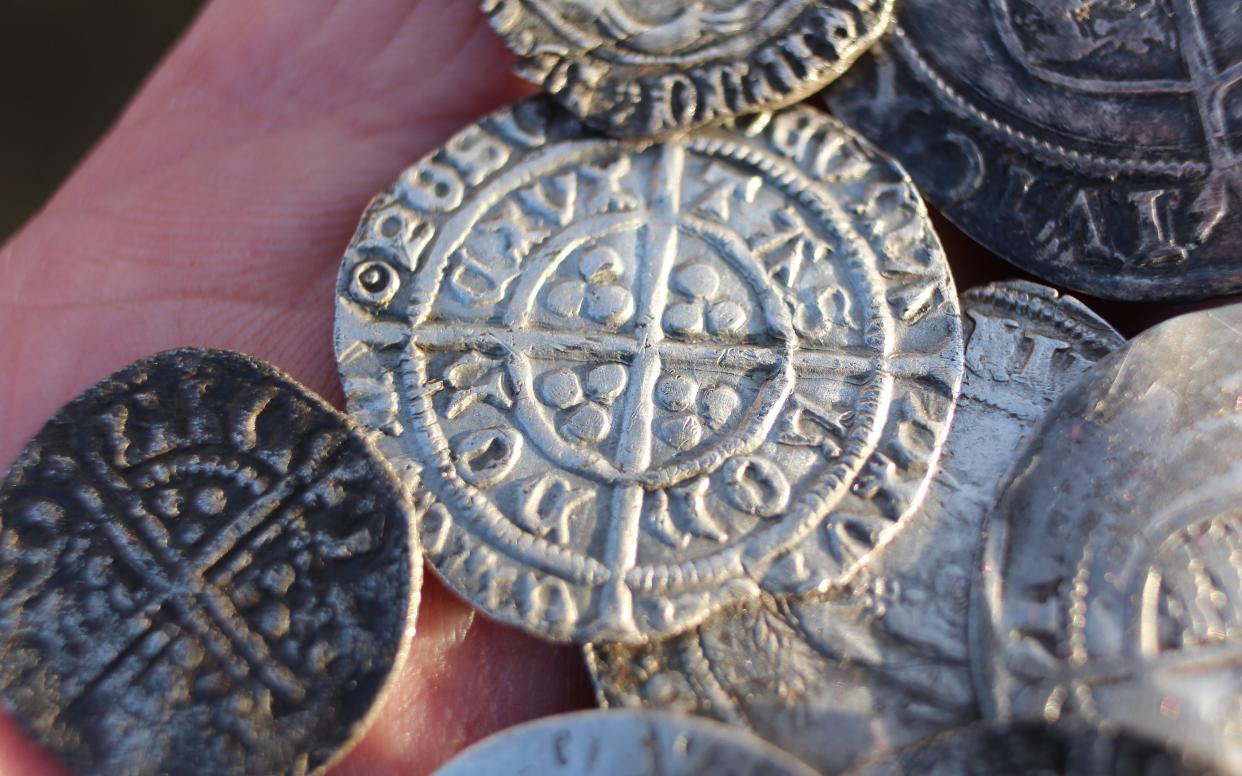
(1029, 750)
(641, 68)
(203, 569)
(633, 743)
(644, 381)
(837, 678)
(1112, 578)
(1097, 144)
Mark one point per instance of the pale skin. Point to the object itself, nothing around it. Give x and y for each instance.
(216, 213)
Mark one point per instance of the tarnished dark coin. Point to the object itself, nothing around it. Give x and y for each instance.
(1096, 144)
(203, 569)
(633, 743)
(1031, 750)
(837, 678)
(645, 381)
(1112, 568)
(642, 68)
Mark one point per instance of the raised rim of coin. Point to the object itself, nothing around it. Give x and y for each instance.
(619, 737)
(454, 338)
(1106, 613)
(247, 443)
(632, 76)
(885, 661)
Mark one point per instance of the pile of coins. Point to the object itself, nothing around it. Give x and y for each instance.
(664, 365)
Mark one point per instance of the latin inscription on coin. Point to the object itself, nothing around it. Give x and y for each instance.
(651, 67)
(203, 569)
(643, 381)
(1113, 561)
(1097, 144)
(837, 678)
(598, 743)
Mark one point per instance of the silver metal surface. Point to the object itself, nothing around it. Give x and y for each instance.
(1097, 144)
(1112, 564)
(623, 743)
(1031, 750)
(646, 381)
(642, 68)
(203, 569)
(883, 663)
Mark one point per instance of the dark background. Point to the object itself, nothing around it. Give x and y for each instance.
(67, 69)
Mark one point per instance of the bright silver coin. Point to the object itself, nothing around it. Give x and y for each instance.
(642, 68)
(1113, 566)
(839, 678)
(646, 381)
(623, 743)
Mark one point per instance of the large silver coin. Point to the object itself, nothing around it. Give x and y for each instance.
(837, 678)
(623, 743)
(1096, 144)
(1035, 750)
(203, 569)
(1112, 575)
(642, 68)
(645, 381)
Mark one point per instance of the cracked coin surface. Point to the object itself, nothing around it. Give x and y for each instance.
(1098, 145)
(203, 569)
(604, 743)
(882, 663)
(643, 381)
(1111, 587)
(643, 68)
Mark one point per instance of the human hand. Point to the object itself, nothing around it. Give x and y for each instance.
(215, 215)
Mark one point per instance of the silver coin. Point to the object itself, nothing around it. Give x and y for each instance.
(837, 678)
(1028, 750)
(1097, 144)
(623, 743)
(1112, 584)
(203, 569)
(645, 381)
(642, 68)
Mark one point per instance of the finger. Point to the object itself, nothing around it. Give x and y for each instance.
(216, 214)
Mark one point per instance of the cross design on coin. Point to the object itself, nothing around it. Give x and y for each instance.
(692, 328)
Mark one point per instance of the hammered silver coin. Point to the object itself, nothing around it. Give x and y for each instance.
(1031, 750)
(203, 569)
(623, 743)
(645, 381)
(1112, 576)
(643, 68)
(1097, 144)
(883, 663)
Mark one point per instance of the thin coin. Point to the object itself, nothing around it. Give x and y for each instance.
(883, 663)
(644, 68)
(612, 743)
(645, 381)
(1112, 589)
(203, 569)
(1098, 145)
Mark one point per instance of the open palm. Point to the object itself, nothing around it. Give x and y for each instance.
(215, 215)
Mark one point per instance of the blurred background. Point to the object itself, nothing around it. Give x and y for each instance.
(67, 69)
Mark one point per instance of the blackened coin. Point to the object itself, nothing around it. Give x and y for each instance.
(994, 749)
(1096, 144)
(203, 569)
(640, 68)
(1112, 568)
(634, 743)
(841, 677)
